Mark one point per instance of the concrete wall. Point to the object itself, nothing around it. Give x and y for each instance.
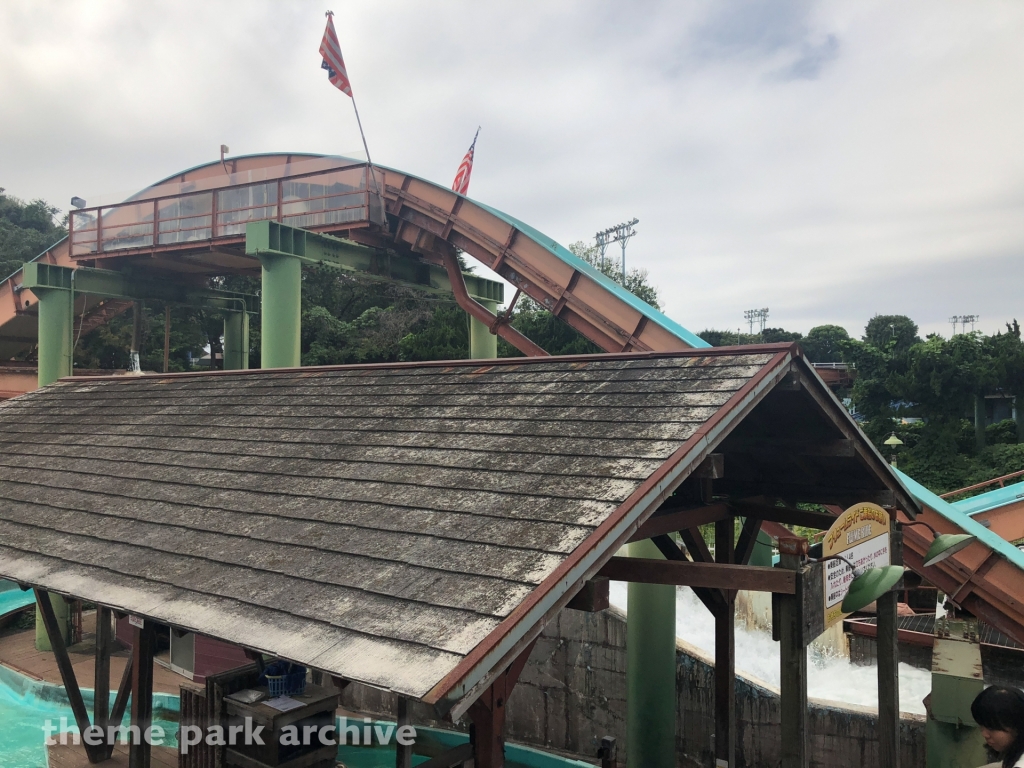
(573, 692)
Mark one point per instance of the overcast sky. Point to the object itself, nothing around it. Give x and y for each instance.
(830, 161)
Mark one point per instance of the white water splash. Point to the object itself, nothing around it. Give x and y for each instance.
(832, 678)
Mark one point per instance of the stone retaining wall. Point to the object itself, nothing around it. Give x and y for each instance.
(573, 692)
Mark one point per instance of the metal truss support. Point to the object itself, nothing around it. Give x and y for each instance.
(311, 248)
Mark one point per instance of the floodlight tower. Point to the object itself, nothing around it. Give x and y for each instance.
(759, 316)
(972, 319)
(620, 233)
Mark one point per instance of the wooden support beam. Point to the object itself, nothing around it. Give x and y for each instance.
(725, 656)
(748, 540)
(121, 700)
(593, 597)
(101, 685)
(814, 494)
(67, 670)
(887, 645)
(788, 515)
(713, 599)
(403, 752)
(144, 649)
(839, 448)
(257, 658)
(669, 519)
(487, 714)
(793, 673)
(687, 574)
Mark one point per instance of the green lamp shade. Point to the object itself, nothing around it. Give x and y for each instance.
(870, 586)
(945, 545)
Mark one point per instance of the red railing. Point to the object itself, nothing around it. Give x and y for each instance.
(1001, 481)
(314, 199)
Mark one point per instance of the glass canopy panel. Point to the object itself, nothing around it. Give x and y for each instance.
(185, 219)
(239, 205)
(126, 226)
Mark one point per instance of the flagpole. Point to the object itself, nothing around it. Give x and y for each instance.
(369, 162)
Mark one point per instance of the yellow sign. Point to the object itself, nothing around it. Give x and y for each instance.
(861, 535)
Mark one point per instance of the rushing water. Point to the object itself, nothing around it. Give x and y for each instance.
(828, 677)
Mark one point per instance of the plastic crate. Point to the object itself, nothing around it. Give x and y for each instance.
(291, 684)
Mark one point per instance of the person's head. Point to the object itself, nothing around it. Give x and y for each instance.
(999, 710)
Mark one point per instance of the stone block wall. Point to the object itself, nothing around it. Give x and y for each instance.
(573, 692)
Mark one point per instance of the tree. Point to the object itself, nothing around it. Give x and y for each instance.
(1006, 351)
(897, 333)
(777, 335)
(26, 230)
(826, 344)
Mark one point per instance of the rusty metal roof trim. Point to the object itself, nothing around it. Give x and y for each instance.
(463, 684)
(491, 362)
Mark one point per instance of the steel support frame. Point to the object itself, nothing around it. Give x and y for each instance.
(314, 248)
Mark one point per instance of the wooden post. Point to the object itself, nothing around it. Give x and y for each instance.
(67, 671)
(725, 655)
(793, 671)
(888, 669)
(487, 714)
(403, 752)
(143, 647)
(101, 686)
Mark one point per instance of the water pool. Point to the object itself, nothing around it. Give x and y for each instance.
(25, 705)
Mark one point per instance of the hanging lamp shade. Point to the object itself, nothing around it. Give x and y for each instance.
(871, 585)
(946, 544)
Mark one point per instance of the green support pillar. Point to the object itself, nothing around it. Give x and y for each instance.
(280, 331)
(483, 345)
(55, 342)
(55, 351)
(236, 341)
(650, 669)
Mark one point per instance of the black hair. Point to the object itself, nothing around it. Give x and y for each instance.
(1001, 708)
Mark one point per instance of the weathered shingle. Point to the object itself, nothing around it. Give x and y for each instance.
(377, 522)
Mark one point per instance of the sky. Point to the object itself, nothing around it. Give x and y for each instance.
(829, 161)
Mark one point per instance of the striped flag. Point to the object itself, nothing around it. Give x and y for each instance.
(461, 184)
(330, 49)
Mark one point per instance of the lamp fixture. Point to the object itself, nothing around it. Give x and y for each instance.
(892, 440)
(868, 584)
(944, 544)
(77, 202)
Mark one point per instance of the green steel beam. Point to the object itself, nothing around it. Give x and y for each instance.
(39, 277)
(281, 324)
(270, 238)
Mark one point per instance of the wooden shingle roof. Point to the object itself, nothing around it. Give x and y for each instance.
(403, 526)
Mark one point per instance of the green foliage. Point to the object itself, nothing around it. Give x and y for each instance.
(26, 230)
(825, 344)
(894, 333)
(777, 335)
(718, 338)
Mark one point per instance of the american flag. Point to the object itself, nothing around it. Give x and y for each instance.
(330, 49)
(461, 184)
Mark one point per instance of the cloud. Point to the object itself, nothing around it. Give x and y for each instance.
(826, 160)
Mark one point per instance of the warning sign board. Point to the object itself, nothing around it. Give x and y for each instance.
(861, 535)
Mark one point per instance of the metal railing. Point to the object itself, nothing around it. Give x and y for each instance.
(314, 199)
(1000, 481)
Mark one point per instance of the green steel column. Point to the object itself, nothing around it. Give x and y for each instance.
(483, 345)
(980, 420)
(282, 311)
(55, 322)
(236, 341)
(55, 351)
(650, 669)
(62, 612)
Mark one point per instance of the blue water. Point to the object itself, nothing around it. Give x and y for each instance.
(25, 705)
(12, 598)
